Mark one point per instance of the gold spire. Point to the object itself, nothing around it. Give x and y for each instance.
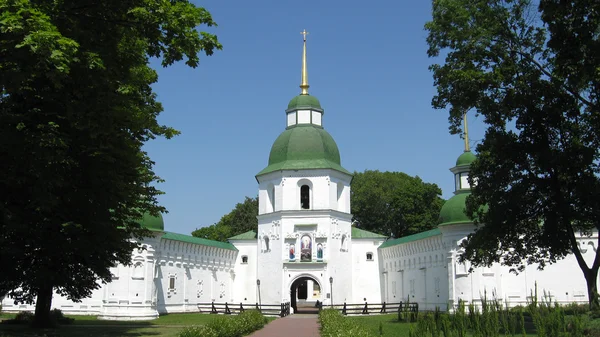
(304, 85)
(466, 133)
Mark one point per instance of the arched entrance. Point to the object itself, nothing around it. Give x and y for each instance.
(305, 294)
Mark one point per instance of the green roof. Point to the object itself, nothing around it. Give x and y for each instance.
(411, 238)
(465, 159)
(453, 211)
(153, 223)
(198, 241)
(304, 147)
(358, 233)
(249, 235)
(304, 101)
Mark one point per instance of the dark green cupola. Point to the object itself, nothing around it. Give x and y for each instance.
(304, 144)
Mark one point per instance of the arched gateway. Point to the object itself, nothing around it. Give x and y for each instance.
(305, 294)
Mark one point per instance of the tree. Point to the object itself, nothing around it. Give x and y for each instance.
(533, 73)
(76, 107)
(394, 203)
(241, 219)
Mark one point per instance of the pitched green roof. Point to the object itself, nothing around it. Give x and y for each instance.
(304, 147)
(198, 241)
(358, 233)
(249, 235)
(304, 101)
(410, 238)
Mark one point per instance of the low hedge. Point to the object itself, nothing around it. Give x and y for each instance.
(228, 326)
(334, 324)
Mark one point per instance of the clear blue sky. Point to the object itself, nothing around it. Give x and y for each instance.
(368, 66)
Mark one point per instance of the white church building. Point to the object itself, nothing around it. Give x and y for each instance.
(305, 247)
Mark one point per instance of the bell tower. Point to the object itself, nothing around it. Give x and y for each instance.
(304, 207)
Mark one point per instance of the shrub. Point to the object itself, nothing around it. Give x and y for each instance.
(333, 324)
(228, 326)
(56, 316)
(23, 317)
(198, 331)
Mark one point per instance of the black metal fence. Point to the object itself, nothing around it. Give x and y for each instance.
(407, 311)
(281, 310)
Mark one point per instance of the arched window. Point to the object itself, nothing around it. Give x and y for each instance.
(305, 197)
(273, 198)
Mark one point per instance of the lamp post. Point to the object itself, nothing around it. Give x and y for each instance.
(258, 286)
(331, 289)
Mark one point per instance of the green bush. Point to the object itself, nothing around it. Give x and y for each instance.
(56, 316)
(228, 326)
(333, 324)
(198, 331)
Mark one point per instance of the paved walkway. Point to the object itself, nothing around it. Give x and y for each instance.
(291, 326)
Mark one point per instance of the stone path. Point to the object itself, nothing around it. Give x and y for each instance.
(291, 326)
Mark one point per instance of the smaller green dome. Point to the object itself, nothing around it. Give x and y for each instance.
(453, 211)
(304, 102)
(153, 223)
(465, 159)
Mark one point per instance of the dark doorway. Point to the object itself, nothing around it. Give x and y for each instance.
(302, 297)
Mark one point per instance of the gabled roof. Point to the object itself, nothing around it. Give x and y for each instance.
(198, 241)
(410, 238)
(249, 235)
(358, 233)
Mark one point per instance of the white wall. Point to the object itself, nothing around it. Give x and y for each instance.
(202, 274)
(417, 269)
(244, 285)
(365, 273)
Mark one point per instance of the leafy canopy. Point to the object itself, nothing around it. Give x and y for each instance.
(241, 219)
(394, 203)
(532, 71)
(76, 107)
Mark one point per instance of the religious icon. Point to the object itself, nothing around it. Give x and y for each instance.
(319, 252)
(292, 253)
(306, 249)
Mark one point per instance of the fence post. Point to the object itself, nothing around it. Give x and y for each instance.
(241, 307)
(382, 311)
(213, 310)
(365, 309)
(344, 309)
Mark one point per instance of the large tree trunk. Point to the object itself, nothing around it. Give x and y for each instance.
(591, 278)
(42, 307)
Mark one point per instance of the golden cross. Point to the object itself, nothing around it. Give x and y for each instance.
(304, 32)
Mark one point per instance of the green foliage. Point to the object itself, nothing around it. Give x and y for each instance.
(532, 71)
(76, 107)
(240, 220)
(394, 203)
(198, 331)
(334, 324)
(228, 326)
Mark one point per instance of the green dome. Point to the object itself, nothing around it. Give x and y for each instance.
(304, 102)
(154, 223)
(304, 147)
(453, 211)
(465, 159)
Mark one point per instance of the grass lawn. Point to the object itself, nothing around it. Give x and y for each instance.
(90, 326)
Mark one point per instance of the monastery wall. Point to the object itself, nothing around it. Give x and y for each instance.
(416, 271)
(244, 281)
(366, 275)
(189, 274)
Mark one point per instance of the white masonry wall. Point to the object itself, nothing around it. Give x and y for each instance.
(201, 274)
(244, 285)
(365, 273)
(416, 271)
